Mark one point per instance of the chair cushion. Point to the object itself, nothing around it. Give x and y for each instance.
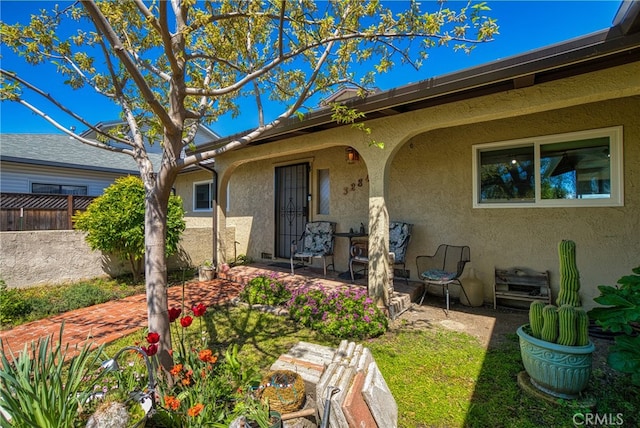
(318, 239)
(438, 275)
(398, 234)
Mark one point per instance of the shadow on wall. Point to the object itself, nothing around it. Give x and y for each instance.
(114, 266)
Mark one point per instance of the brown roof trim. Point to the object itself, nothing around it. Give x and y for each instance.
(604, 49)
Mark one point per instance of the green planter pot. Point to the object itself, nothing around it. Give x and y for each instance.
(558, 370)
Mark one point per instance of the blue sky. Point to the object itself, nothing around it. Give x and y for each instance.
(524, 26)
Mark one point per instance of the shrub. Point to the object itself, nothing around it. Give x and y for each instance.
(263, 290)
(114, 222)
(348, 314)
(12, 305)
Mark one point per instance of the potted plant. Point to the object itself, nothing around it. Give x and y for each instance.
(555, 347)
(621, 315)
(206, 271)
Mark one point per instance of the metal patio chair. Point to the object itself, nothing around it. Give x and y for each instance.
(316, 242)
(399, 236)
(443, 268)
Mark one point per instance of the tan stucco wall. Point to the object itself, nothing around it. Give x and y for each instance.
(423, 176)
(59, 256)
(440, 204)
(184, 188)
(251, 195)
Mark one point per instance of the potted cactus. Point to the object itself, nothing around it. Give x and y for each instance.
(555, 347)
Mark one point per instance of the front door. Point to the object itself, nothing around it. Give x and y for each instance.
(292, 205)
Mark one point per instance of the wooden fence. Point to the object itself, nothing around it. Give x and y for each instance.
(28, 211)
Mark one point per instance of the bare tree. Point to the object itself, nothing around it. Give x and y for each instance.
(171, 66)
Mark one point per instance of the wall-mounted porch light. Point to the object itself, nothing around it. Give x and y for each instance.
(352, 155)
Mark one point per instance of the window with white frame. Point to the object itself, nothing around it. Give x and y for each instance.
(575, 169)
(203, 196)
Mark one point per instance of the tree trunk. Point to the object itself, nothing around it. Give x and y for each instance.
(155, 225)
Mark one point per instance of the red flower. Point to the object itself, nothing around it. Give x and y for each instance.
(174, 313)
(199, 310)
(153, 337)
(151, 350)
(186, 321)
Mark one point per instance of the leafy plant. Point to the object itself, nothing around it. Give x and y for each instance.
(622, 315)
(45, 386)
(263, 290)
(348, 313)
(115, 222)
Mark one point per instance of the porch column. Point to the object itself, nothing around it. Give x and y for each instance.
(379, 269)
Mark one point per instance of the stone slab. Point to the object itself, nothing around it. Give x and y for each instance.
(338, 418)
(379, 398)
(355, 409)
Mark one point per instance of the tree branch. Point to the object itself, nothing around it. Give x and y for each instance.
(105, 27)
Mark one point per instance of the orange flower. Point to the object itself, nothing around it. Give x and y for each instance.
(207, 356)
(195, 410)
(187, 378)
(176, 369)
(171, 402)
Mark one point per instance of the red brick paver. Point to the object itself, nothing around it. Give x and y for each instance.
(109, 321)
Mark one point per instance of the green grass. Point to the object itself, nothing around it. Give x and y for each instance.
(437, 377)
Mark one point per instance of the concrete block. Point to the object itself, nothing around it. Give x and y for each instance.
(379, 398)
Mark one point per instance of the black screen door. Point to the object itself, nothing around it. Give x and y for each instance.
(292, 205)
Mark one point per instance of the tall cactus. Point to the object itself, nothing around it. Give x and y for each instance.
(567, 325)
(569, 276)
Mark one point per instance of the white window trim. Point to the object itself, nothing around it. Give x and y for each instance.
(616, 159)
(193, 198)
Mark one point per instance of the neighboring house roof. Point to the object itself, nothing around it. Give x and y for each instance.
(204, 134)
(58, 150)
(615, 46)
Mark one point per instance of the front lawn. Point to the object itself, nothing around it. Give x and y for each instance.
(438, 377)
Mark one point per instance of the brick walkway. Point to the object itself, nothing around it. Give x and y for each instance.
(110, 321)
(104, 323)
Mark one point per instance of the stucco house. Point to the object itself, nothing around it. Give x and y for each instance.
(509, 158)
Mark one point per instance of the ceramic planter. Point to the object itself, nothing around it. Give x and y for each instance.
(206, 273)
(558, 370)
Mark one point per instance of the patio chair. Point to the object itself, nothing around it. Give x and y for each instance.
(399, 236)
(443, 268)
(316, 242)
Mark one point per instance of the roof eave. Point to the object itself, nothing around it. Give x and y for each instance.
(617, 45)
